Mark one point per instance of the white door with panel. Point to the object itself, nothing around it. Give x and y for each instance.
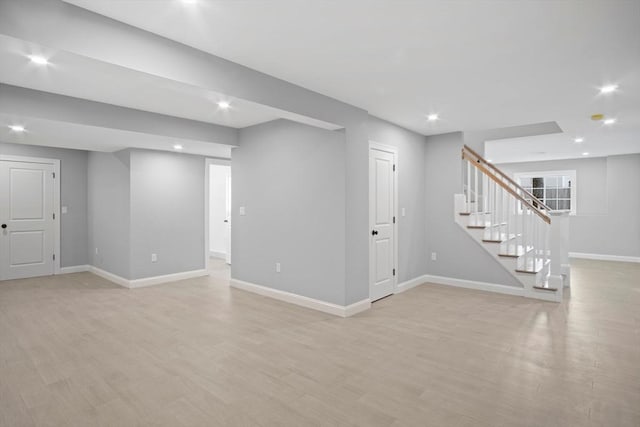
(27, 236)
(382, 223)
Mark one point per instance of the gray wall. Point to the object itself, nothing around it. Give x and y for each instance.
(107, 40)
(458, 255)
(608, 202)
(412, 243)
(109, 212)
(291, 180)
(167, 212)
(73, 195)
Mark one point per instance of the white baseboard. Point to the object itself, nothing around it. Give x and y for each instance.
(109, 276)
(603, 257)
(174, 277)
(147, 281)
(412, 283)
(472, 284)
(74, 269)
(325, 307)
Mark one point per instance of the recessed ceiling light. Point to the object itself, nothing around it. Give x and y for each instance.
(585, 153)
(17, 128)
(224, 105)
(190, 1)
(578, 140)
(608, 88)
(610, 121)
(489, 160)
(177, 147)
(432, 117)
(40, 60)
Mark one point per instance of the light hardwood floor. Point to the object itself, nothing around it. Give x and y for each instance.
(76, 350)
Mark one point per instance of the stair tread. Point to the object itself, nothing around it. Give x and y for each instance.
(545, 288)
(503, 237)
(532, 269)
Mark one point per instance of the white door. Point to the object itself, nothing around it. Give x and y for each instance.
(382, 223)
(27, 219)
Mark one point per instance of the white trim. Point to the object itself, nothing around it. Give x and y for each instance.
(56, 200)
(325, 307)
(147, 281)
(174, 277)
(74, 269)
(412, 283)
(472, 284)
(109, 276)
(396, 157)
(604, 257)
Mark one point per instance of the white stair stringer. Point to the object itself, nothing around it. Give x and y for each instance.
(531, 282)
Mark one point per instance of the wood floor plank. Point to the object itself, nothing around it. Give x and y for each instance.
(78, 350)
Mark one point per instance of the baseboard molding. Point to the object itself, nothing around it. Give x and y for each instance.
(109, 276)
(412, 283)
(603, 257)
(147, 281)
(314, 304)
(472, 284)
(74, 269)
(174, 277)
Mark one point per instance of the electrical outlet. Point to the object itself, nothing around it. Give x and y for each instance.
(434, 256)
(154, 257)
(96, 251)
(277, 267)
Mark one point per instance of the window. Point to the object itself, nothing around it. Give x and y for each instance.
(556, 189)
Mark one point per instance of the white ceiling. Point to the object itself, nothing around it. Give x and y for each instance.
(78, 76)
(93, 138)
(479, 64)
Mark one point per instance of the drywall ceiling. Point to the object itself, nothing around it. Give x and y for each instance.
(82, 77)
(479, 65)
(60, 134)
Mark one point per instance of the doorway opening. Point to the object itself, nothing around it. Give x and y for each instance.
(218, 202)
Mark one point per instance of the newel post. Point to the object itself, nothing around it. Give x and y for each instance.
(560, 272)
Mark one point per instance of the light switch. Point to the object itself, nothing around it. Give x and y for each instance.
(154, 257)
(242, 211)
(404, 212)
(64, 209)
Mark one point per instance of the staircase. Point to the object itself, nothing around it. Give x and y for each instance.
(528, 239)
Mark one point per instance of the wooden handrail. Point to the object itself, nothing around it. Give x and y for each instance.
(505, 176)
(477, 161)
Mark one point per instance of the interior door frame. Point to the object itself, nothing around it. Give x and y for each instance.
(393, 150)
(207, 179)
(56, 199)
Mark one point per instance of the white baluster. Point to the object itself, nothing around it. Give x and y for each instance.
(468, 186)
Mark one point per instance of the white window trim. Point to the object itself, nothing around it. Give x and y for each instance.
(543, 174)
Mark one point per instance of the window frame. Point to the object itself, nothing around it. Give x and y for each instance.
(517, 176)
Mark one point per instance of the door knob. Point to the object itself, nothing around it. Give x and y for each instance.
(4, 225)
(374, 232)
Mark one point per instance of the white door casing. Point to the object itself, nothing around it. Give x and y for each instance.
(29, 205)
(228, 220)
(382, 214)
